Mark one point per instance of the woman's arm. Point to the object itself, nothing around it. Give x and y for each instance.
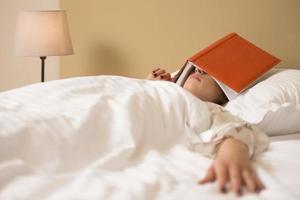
(232, 164)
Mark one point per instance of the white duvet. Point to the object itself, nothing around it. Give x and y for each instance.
(107, 137)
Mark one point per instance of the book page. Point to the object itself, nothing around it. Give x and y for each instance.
(185, 73)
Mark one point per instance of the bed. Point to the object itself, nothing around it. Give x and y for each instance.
(49, 148)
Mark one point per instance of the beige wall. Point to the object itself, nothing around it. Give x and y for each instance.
(133, 36)
(20, 71)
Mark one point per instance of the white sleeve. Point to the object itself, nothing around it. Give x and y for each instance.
(224, 124)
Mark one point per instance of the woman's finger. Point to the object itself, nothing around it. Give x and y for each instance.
(159, 72)
(222, 175)
(166, 76)
(235, 179)
(259, 184)
(153, 71)
(249, 180)
(209, 177)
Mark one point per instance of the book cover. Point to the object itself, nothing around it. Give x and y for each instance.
(232, 61)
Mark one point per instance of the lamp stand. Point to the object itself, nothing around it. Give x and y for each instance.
(43, 58)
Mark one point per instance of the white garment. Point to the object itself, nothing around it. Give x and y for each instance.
(224, 124)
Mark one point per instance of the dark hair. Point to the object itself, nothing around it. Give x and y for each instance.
(223, 99)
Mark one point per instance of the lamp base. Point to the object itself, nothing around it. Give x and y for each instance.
(43, 58)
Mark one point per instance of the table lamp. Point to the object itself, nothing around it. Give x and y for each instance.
(42, 33)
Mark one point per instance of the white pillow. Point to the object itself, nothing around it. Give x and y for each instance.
(272, 104)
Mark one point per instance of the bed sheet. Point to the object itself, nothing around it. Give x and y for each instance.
(158, 173)
(279, 167)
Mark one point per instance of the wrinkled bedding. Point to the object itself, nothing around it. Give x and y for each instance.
(112, 137)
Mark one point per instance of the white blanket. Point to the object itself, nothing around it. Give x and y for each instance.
(104, 138)
(68, 129)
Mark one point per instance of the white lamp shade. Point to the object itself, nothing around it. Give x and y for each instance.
(42, 33)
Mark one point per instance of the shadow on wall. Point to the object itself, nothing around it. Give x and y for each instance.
(106, 59)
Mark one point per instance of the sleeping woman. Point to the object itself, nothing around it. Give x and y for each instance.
(234, 147)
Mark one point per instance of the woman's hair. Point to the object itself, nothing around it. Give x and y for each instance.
(222, 99)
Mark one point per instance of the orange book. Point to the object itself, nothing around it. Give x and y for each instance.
(232, 61)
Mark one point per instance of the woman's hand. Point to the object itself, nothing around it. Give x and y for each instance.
(232, 164)
(159, 74)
